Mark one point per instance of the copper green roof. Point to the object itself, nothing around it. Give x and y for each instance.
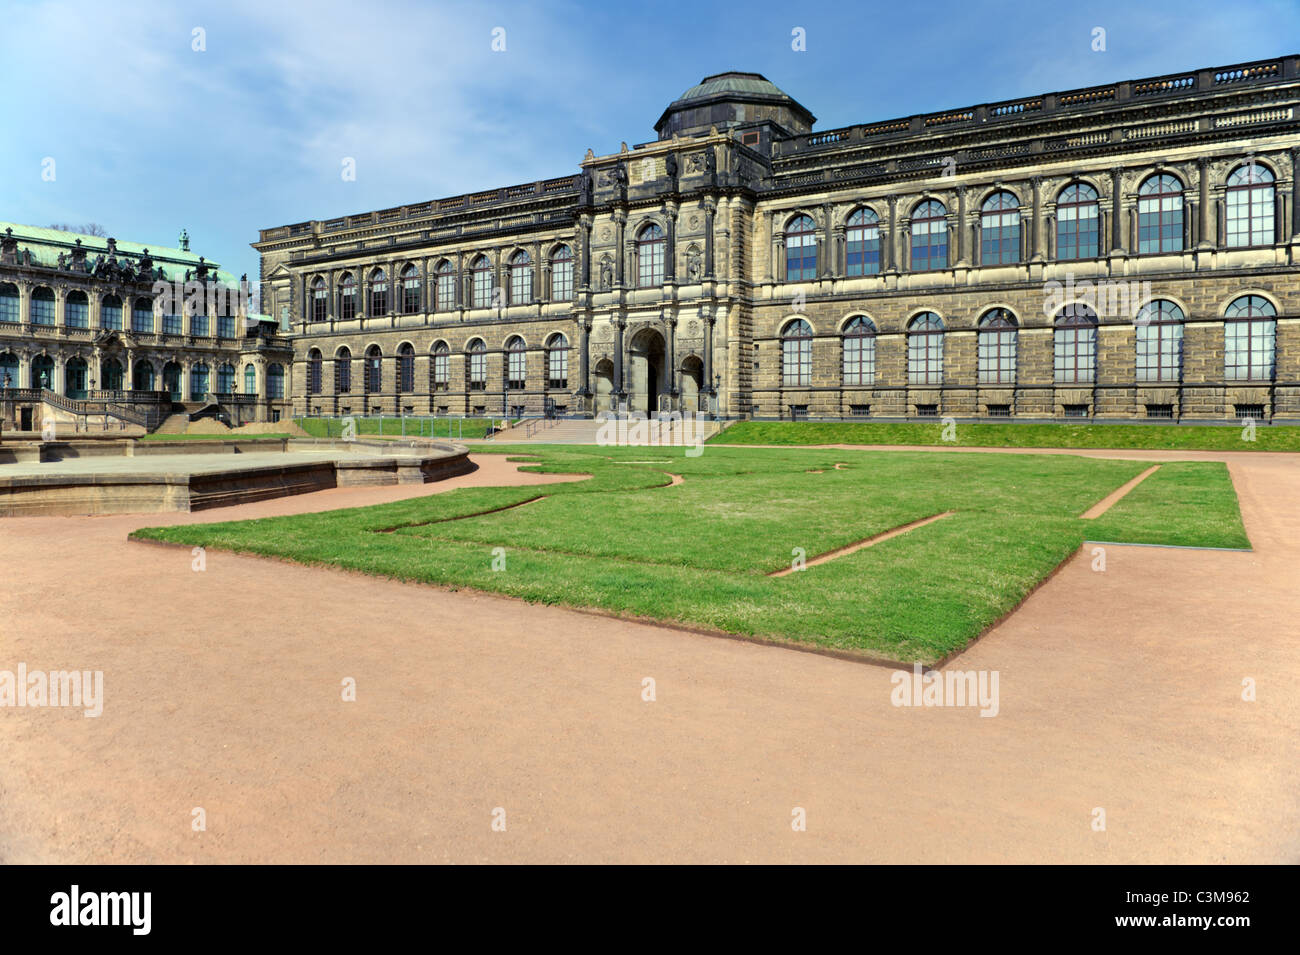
(732, 82)
(46, 244)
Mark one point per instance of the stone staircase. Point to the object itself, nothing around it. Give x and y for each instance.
(587, 431)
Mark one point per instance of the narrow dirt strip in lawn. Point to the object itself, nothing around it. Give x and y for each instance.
(1115, 496)
(869, 542)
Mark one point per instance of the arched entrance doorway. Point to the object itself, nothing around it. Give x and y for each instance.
(692, 383)
(43, 372)
(111, 373)
(604, 385)
(142, 376)
(74, 378)
(172, 380)
(646, 371)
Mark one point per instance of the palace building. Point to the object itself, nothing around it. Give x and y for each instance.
(88, 340)
(1123, 251)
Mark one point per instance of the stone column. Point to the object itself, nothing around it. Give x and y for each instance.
(1039, 251)
(961, 225)
(670, 244)
(827, 269)
(620, 253)
(1203, 171)
(584, 357)
(1116, 207)
(710, 208)
(709, 320)
(620, 324)
(1295, 193)
(672, 354)
(584, 250)
(887, 251)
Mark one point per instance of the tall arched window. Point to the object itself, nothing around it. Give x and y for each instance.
(76, 310)
(198, 381)
(110, 313)
(444, 293)
(477, 365)
(1159, 338)
(796, 354)
(929, 236)
(557, 361)
(862, 243)
(925, 349)
(997, 347)
(800, 249)
(342, 371)
(1249, 339)
(481, 269)
(226, 376)
(1075, 345)
(319, 300)
(42, 306)
(74, 378)
(410, 290)
(110, 373)
(1160, 214)
(440, 367)
(43, 373)
(142, 378)
(373, 380)
(516, 363)
(562, 274)
(859, 351)
(315, 365)
(275, 380)
(1000, 229)
(250, 380)
(8, 370)
(142, 316)
(1249, 201)
(347, 297)
(405, 367)
(521, 278)
(378, 292)
(1077, 222)
(650, 256)
(9, 308)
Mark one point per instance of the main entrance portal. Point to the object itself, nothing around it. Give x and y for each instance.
(646, 381)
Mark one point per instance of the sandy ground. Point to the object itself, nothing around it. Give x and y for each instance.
(1119, 690)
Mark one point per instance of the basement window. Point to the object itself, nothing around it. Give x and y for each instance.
(1160, 411)
(999, 411)
(860, 411)
(927, 411)
(1249, 411)
(1076, 411)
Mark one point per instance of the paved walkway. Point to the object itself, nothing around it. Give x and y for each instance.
(1118, 690)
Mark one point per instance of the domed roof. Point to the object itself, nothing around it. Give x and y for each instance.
(733, 98)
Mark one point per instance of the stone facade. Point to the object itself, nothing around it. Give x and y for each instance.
(1151, 218)
(87, 339)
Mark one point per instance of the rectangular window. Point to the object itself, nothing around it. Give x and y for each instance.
(445, 292)
(515, 369)
(171, 324)
(927, 411)
(796, 362)
(929, 245)
(348, 306)
(859, 360)
(997, 357)
(860, 411)
(999, 411)
(1075, 411)
(1160, 224)
(478, 371)
(482, 288)
(42, 310)
(862, 251)
(441, 371)
(199, 325)
(1248, 350)
(521, 285)
(562, 280)
(319, 304)
(410, 296)
(76, 314)
(1075, 354)
(9, 307)
(1159, 352)
(1249, 411)
(650, 263)
(141, 320)
(1250, 216)
(800, 257)
(1000, 238)
(110, 316)
(1076, 231)
(925, 359)
(225, 326)
(1160, 411)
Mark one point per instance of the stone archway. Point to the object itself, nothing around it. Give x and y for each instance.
(692, 382)
(646, 379)
(604, 385)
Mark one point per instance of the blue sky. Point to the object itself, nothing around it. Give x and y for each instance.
(149, 135)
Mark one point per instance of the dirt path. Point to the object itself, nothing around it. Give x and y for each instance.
(1119, 690)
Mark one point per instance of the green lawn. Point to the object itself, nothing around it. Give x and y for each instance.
(1145, 436)
(390, 426)
(699, 553)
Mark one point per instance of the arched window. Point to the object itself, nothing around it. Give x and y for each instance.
(315, 365)
(521, 278)
(76, 310)
(378, 292)
(1159, 338)
(562, 274)
(405, 367)
(319, 301)
(342, 371)
(110, 371)
(226, 377)
(862, 243)
(1075, 345)
(1249, 201)
(8, 370)
(1000, 229)
(859, 351)
(142, 376)
(440, 367)
(142, 317)
(43, 372)
(650, 256)
(171, 380)
(373, 380)
(925, 349)
(482, 272)
(997, 347)
(74, 378)
(800, 249)
(557, 361)
(9, 308)
(1160, 214)
(929, 236)
(1077, 222)
(42, 306)
(516, 363)
(347, 297)
(110, 313)
(410, 290)
(444, 292)
(477, 365)
(199, 326)
(250, 380)
(275, 380)
(796, 354)
(198, 381)
(1249, 339)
